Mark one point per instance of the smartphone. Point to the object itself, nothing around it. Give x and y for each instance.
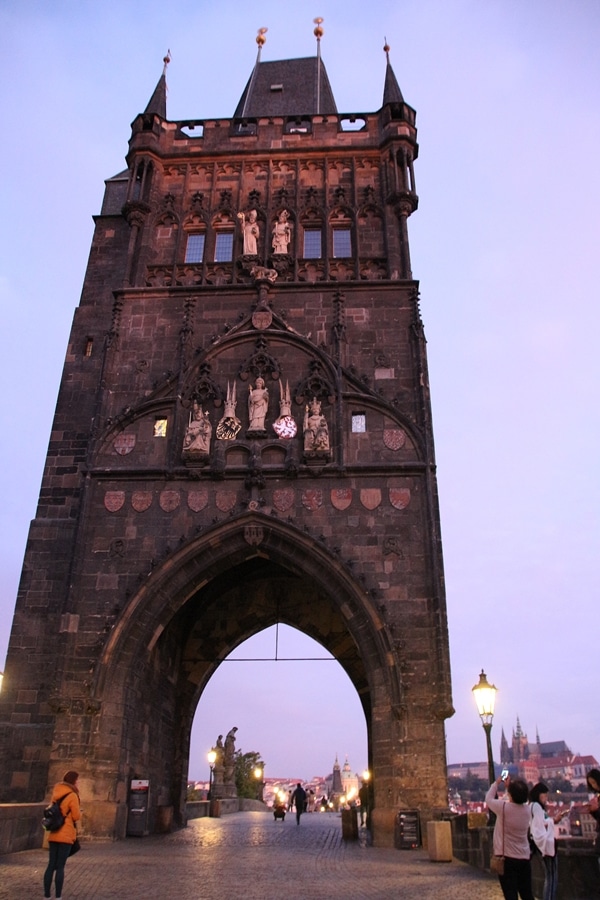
(504, 774)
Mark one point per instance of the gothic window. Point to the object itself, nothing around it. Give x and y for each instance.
(312, 243)
(224, 246)
(342, 243)
(194, 250)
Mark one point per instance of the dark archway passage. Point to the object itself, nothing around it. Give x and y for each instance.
(229, 584)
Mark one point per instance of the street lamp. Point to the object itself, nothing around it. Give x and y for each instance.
(485, 697)
(258, 774)
(211, 756)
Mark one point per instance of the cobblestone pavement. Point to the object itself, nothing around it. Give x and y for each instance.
(248, 856)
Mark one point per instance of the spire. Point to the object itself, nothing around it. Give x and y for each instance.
(157, 105)
(391, 89)
(318, 33)
(519, 731)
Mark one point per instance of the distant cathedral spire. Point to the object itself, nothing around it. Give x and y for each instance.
(336, 784)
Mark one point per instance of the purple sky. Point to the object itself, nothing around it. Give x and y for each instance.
(505, 245)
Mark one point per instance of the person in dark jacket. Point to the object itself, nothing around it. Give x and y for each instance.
(299, 799)
(60, 842)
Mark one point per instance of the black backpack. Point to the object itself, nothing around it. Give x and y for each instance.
(53, 818)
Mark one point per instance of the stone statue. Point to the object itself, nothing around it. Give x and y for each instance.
(229, 750)
(251, 232)
(258, 404)
(282, 233)
(316, 432)
(198, 433)
(230, 425)
(219, 751)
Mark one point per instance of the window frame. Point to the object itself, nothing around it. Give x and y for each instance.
(306, 240)
(347, 232)
(190, 238)
(219, 237)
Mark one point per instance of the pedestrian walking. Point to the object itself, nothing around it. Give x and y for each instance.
(299, 800)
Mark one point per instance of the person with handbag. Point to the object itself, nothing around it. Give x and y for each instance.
(62, 842)
(510, 841)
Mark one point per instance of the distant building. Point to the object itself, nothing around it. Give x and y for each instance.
(544, 761)
(462, 770)
(536, 761)
(350, 781)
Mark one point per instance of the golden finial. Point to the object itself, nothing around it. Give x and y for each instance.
(260, 37)
(166, 61)
(318, 32)
(386, 48)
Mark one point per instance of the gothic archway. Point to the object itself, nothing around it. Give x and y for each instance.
(207, 597)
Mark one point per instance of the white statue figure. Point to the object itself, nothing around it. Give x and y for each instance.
(316, 432)
(197, 436)
(258, 404)
(229, 426)
(282, 233)
(285, 426)
(251, 232)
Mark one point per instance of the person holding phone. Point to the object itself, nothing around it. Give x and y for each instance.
(511, 837)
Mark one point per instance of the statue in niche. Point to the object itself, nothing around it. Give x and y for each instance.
(282, 233)
(196, 442)
(250, 231)
(285, 426)
(258, 405)
(229, 426)
(316, 431)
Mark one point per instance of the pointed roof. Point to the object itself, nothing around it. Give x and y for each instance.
(287, 87)
(391, 88)
(157, 105)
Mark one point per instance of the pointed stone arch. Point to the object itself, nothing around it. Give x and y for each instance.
(215, 591)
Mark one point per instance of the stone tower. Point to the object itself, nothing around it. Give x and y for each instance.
(242, 437)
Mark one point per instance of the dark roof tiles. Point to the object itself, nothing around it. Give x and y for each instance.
(288, 87)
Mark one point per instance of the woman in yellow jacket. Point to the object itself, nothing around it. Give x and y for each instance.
(61, 841)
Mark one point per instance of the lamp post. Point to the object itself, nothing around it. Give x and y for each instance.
(485, 697)
(211, 756)
(258, 774)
